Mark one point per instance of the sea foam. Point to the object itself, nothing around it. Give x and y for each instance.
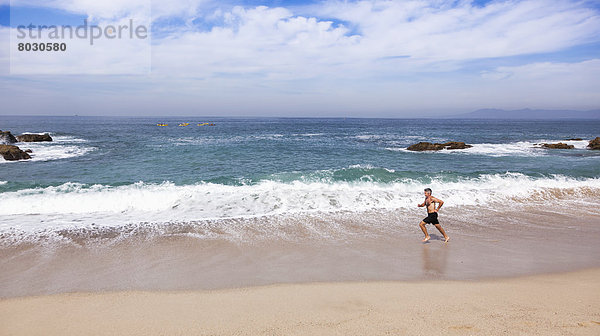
(62, 147)
(520, 148)
(75, 204)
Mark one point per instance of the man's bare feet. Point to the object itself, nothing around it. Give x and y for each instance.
(426, 239)
(447, 238)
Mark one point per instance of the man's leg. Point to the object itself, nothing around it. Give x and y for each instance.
(424, 229)
(439, 227)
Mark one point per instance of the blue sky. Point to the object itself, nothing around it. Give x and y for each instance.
(367, 58)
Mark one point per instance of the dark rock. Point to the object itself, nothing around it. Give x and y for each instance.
(28, 151)
(34, 137)
(6, 138)
(428, 146)
(595, 144)
(425, 146)
(559, 145)
(12, 153)
(574, 139)
(456, 145)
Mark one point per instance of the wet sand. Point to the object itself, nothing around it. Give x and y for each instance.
(551, 304)
(374, 246)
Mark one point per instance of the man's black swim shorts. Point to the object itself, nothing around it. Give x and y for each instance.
(431, 218)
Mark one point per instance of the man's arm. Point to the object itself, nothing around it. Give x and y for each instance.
(422, 204)
(438, 201)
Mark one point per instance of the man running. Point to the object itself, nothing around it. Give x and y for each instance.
(432, 215)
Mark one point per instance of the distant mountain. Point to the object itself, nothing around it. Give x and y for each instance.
(529, 114)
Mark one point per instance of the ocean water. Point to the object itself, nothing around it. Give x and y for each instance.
(288, 185)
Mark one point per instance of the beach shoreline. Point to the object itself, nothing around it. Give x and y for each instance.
(375, 246)
(546, 304)
(299, 226)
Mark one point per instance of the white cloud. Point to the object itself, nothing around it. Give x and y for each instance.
(547, 85)
(425, 30)
(545, 70)
(268, 42)
(276, 43)
(385, 56)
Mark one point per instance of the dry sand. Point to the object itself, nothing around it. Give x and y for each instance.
(553, 304)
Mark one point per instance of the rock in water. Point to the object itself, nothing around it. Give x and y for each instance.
(595, 144)
(6, 138)
(559, 145)
(425, 146)
(13, 153)
(428, 146)
(456, 145)
(34, 137)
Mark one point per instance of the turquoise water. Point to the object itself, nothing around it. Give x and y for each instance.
(99, 166)
(117, 151)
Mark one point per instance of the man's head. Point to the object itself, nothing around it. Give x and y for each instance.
(427, 192)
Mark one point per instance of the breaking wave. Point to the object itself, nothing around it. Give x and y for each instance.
(520, 148)
(81, 205)
(62, 147)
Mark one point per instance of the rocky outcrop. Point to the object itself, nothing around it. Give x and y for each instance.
(595, 144)
(34, 137)
(456, 145)
(13, 153)
(425, 146)
(28, 151)
(428, 146)
(6, 138)
(574, 139)
(559, 145)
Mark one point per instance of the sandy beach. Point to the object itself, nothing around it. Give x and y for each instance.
(310, 168)
(551, 304)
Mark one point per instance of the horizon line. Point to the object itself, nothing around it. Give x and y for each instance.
(456, 116)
